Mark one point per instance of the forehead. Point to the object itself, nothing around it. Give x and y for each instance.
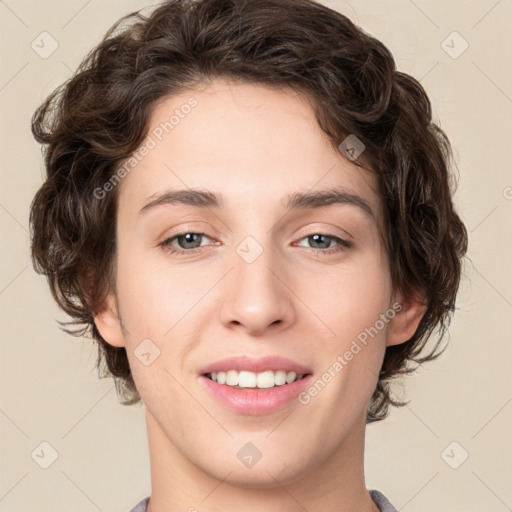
(252, 144)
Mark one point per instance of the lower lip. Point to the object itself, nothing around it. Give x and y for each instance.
(255, 401)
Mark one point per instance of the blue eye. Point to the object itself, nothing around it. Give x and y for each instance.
(190, 243)
(342, 244)
(187, 238)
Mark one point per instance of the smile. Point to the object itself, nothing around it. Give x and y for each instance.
(262, 380)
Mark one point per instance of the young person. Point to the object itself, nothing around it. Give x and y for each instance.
(250, 210)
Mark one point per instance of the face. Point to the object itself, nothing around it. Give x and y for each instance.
(246, 271)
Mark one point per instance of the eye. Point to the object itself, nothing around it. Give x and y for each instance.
(325, 240)
(189, 240)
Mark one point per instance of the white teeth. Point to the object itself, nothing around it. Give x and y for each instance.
(265, 379)
(245, 379)
(290, 377)
(232, 378)
(280, 377)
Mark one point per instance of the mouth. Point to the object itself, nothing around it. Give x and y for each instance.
(255, 387)
(267, 379)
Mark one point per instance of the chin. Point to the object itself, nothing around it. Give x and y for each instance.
(274, 472)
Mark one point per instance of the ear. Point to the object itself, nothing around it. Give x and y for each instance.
(109, 324)
(405, 322)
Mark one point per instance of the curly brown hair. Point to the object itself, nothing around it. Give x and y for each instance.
(99, 117)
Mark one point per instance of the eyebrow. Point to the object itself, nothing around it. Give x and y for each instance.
(309, 200)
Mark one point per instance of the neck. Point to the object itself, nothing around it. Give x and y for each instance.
(333, 485)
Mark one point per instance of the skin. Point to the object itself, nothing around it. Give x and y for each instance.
(254, 145)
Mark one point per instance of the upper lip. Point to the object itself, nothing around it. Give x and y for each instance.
(256, 365)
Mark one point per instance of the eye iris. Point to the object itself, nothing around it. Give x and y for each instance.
(188, 235)
(316, 237)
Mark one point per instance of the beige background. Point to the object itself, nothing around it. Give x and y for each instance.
(49, 390)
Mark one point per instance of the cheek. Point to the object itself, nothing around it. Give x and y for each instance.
(157, 297)
(160, 304)
(349, 298)
(350, 301)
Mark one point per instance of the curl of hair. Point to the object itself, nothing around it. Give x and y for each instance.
(100, 116)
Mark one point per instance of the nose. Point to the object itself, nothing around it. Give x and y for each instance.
(257, 294)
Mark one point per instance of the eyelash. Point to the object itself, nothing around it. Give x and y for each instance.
(343, 245)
